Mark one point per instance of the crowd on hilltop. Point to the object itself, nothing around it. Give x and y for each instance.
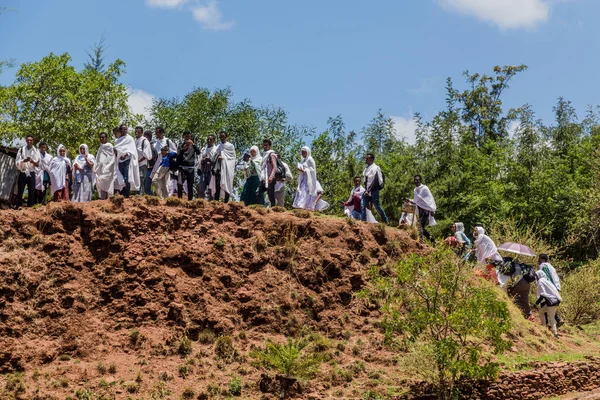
(148, 165)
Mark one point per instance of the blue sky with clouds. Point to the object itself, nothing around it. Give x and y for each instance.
(320, 58)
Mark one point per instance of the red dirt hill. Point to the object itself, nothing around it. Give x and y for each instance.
(117, 284)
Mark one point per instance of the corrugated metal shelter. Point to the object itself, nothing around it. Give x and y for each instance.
(8, 173)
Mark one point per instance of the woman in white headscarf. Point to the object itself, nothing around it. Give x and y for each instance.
(309, 191)
(252, 170)
(60, 169)
(487, 255)
(83, 175)
(548, 299)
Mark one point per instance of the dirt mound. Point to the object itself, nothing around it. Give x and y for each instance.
(118, 282)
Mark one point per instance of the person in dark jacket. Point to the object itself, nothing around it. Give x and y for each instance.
(186, 158)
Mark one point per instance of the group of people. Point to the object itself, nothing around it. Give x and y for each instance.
(512, 275)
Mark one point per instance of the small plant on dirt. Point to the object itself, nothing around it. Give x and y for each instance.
(173, 201)
(290, 358)
(132, 387)
(117, 201)
(225, 349)
(14, 384)
(112, 368)
(185, 346)
(84, 394)
(188, 393)
(220, 243)
(160, 391)
(165, 377)
(135, 337)
(213, 390)
(64, 357)
(185, 370)
(10, 244)
(207, 337)
(152, 200)
(101, 368)
(235, 386)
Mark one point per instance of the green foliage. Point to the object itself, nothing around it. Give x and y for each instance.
(435, 300)
(61, 105)
(580, 290)
(292, 358)
(235, 386)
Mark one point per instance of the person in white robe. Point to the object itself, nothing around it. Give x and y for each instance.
(425, 207)
(42, 177)
(104, 168)
(83, 175)
(144, 152)
(222, 185)
(27, 162)
(60, 168)
(548, 298)
(373, 181)
(128, 171)
(309, 192)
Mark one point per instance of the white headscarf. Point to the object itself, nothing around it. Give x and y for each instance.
(257, 159)
(58, 170)
(309, 172)
(80, 159)
(485, 247)
(460, 228)
(545, 288)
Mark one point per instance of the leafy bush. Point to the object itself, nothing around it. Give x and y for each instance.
(435, 300)
(235, 386)
(291, 358)
(225, 350)
(580, 290)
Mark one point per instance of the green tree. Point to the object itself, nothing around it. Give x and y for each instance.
(54, 102)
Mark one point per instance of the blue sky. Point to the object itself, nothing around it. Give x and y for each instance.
(322, 58)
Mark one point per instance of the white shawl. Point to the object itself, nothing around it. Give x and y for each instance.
(256, 161)
(126, 145)
(308, 172)
(369, 175)
(545, 288)
(227, 152)
(485, 247)
(45, 161)
(104, 168)
(58, 171)
(424, 199)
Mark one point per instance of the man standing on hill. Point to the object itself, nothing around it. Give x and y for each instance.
(207, 154)
(128, 173)
(144, 152)
(268, 167)
(28, 160)
(552, 276)
(373, 179)
(425, 207)
(151, 162)
(223, 182)
(186, 157)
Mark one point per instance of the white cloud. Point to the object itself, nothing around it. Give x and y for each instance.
(139, 102)
(210, 17)
(166, 3)
(405, 128)
(428, 85)
(506, 14)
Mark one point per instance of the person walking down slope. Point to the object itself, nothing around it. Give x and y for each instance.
(60, 169)
(548, 299)
(487, 254)
(373, 180)
(309, 191)
(425, 207)
(83, 175)
(104, 168)
(552, 276)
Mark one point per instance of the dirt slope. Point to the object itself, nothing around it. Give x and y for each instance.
(94, 296)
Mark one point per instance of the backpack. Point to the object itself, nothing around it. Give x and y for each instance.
(528, 273)
(280, 170)
(173, 163)
(507, 267)
(152, 161)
